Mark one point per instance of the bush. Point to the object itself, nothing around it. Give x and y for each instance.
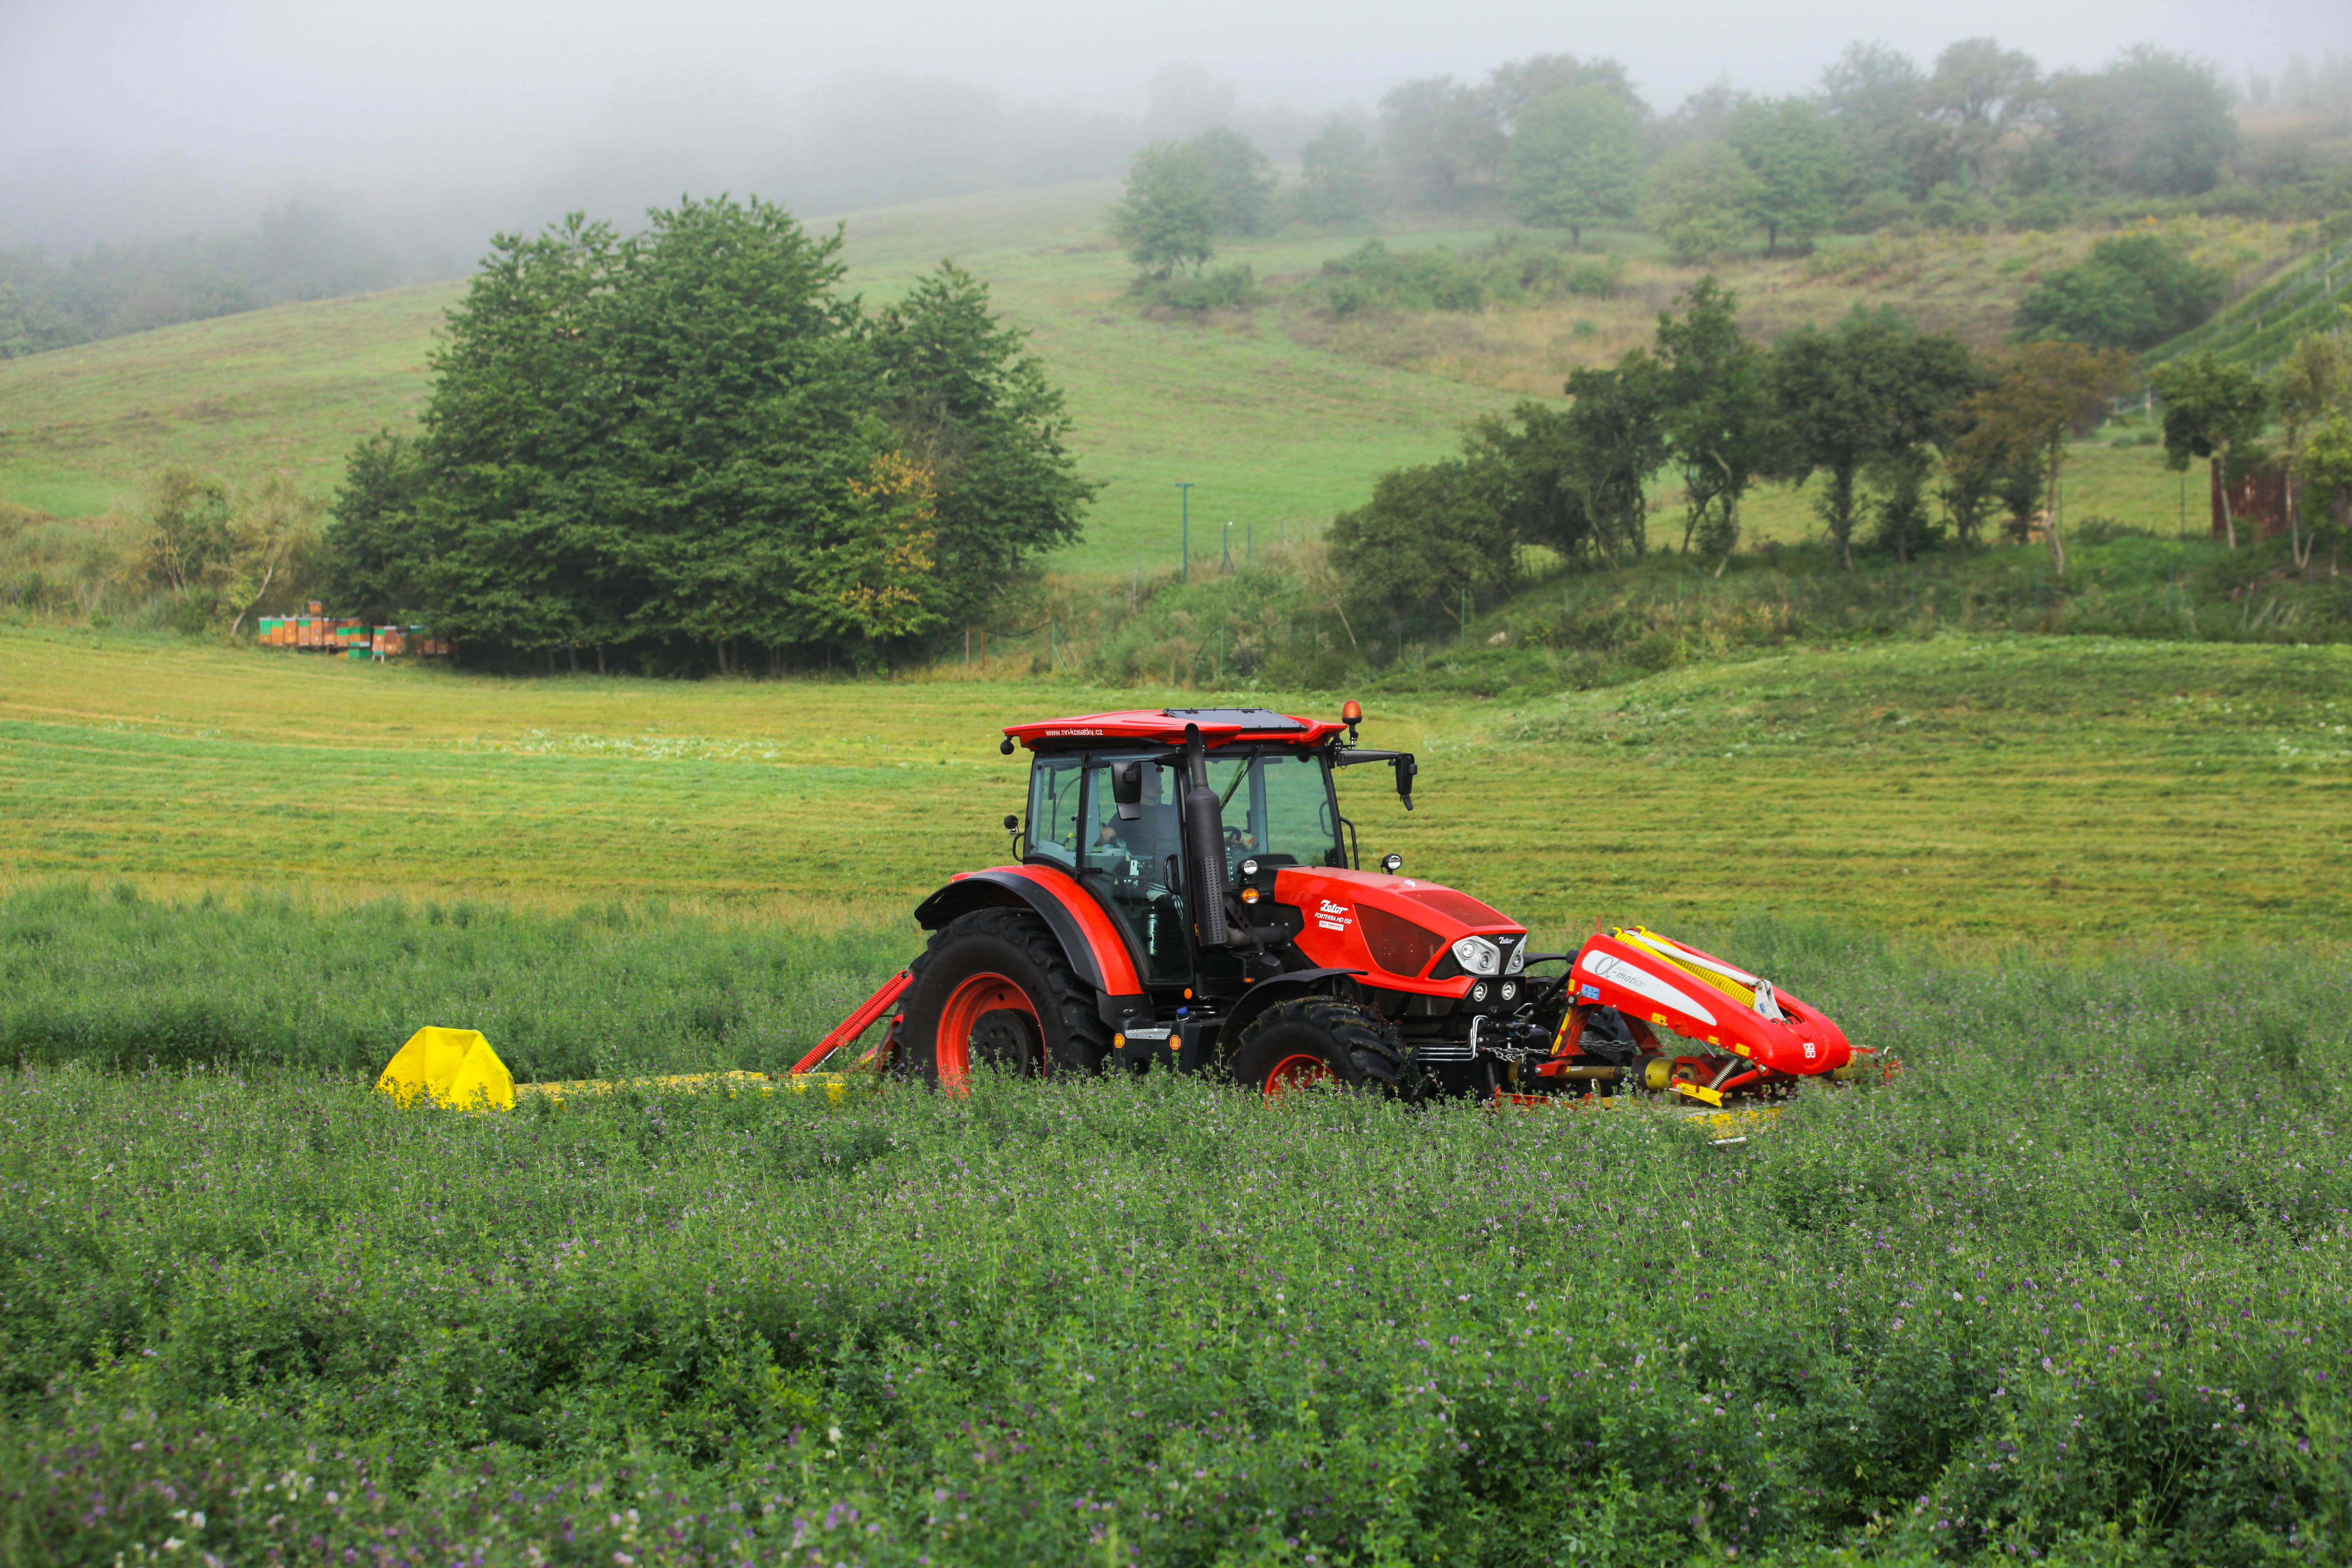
(1225, 288)
(2133, 292)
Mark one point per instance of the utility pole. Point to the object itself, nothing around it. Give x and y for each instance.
(1228, 547)
(1184, 488)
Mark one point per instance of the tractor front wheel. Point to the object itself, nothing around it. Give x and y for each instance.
(1315, 1040)
(994, 987)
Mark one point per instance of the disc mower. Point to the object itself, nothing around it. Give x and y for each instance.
(1184, 893)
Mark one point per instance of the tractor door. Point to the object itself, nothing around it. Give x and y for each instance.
(1131, 857)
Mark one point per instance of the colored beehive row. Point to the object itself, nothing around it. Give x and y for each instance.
(354, 639)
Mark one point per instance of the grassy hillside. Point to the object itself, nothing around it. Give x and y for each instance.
(1280, 415)
(1984, 786)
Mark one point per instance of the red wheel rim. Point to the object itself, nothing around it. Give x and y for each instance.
(1295, 1072)
(978, 994)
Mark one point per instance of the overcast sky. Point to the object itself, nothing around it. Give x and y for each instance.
(286, 96)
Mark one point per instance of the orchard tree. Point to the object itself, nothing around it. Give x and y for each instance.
(2214, 411)
(1573, 161)
(1168, 216)
(1338, 167)
(1799, 162)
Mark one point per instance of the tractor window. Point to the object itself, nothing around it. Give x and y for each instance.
(1276, 803)
(1053, 810)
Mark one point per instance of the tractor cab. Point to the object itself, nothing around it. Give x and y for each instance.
(1171, 818)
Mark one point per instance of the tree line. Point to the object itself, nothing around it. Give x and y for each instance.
(1981, 137)
(294, 253)
(1915, 442)
(687, 449)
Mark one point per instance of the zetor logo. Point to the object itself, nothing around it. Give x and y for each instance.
(1332, 916)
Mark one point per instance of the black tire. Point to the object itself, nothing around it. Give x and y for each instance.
(1356, 1046)
(1065, 1034)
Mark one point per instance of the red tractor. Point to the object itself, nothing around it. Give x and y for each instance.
(1188, 894)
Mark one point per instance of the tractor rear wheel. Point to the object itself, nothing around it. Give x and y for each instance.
(995, 987)
(1316, 1040)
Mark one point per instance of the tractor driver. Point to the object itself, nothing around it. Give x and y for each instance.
(1151, 835)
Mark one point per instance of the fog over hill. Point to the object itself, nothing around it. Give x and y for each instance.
(432, 122)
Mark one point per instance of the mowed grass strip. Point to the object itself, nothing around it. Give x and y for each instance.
(2065, 787)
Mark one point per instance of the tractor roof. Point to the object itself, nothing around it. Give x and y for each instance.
(1165, 727)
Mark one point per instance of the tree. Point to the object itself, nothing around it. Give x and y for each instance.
(1168, 216)
(1698, 201)
(373, 555)
(1441, 136)
(1578, 477)
(1872, 95)
(2044, 392)
(187, 545)
(1428, 535)
(1240, 176)
(2313, 383)
(1715, 414)
(2327, 467)
(1338, 167)
(1516, 86)
(1978, 95)
(2150, 124)
(1573, 160)
(2215, 411)
(272, 534)
(1869, 393)
(690, 447)
(2132, 292)
(1799, 162)
(966, 401)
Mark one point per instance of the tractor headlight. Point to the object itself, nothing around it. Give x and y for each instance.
(1518, 957)
(1476, 955)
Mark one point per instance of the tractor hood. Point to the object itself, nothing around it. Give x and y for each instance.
(1402, 928)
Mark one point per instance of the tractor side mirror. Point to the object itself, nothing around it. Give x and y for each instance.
(1127, 789)
(1406, 770)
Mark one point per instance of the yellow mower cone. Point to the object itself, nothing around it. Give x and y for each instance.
(454, 1067)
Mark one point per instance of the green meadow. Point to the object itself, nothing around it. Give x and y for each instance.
(2071, 1287)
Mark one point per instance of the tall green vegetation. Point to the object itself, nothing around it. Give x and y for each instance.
(2070, 1289)
(687, 449)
